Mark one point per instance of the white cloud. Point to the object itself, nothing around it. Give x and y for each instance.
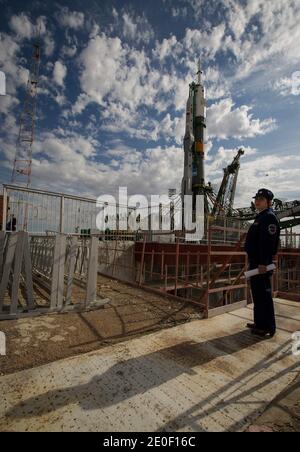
(60, 99)
(170, 129)
(277, 33)
(260, 34)
(71, 144)
(101, 63)
(53, 91)
(132, 27)
(95, 30)
(113, 73)
(71, 163)
(16, 77)
(24, 28)
(216, 86)
(179, 12)
(239, 16)
(7, 103)
(82, 101)
(168, 47)
(121, 80)
(70, 19)
(68, 52)
(9, 63)
(65, 161)
(120, 119)
(287, 86)
(224, 121)
(22, 25)
(59, 73)
(206, 42)
(49, 45)
(196, 6)
(121, 90)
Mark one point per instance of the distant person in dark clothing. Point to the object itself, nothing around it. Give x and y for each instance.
(261, 246)
(11, 225)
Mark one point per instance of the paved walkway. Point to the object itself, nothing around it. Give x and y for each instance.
(206, 375)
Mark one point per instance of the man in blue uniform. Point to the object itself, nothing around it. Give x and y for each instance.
(261, 246)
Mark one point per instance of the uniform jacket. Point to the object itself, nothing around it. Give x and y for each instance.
(263, 239)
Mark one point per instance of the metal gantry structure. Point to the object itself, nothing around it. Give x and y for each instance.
(288, 213)
(21, 172)
(225, 198)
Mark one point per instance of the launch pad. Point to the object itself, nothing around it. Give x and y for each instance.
(118, 285)
(55, 235)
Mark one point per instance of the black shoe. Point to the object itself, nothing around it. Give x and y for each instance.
(251, 326)
(263, 333)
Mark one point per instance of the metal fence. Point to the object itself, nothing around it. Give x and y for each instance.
(58, 272)
(290, 239)
(39, 211)
(287, 277)
(40, 274)
(209, 275)
(208, 272)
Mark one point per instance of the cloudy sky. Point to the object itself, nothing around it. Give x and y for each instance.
(114, 81)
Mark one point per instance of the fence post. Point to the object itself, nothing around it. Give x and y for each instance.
(162, 264)
(11, 248)
(152, 265)
(4, 209)
(53, 295)
(91, 288)
(2, 244)
(57, 285)
(62, 214)
(177, 266)
(71, 269)
(142, 261)
(61, 272)
(28, 273)
(166, 278)
(19, 251)
(246, 282)
(209, 249)
(115, 254)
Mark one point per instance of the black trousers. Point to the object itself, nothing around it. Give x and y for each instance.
(264, 314)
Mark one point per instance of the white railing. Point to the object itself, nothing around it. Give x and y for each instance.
(37, 211)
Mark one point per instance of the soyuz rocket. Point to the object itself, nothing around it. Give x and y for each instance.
(193, 182)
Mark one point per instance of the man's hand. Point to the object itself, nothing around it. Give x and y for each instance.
(262, 269)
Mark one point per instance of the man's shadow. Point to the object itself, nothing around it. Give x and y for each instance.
(134, 376)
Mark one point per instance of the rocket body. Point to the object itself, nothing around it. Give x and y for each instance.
(193, 181)
(188, 144)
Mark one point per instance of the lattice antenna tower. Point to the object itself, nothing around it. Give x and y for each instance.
(22, 166)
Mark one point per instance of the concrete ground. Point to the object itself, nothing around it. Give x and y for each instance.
(131, 312)
(205, 375)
